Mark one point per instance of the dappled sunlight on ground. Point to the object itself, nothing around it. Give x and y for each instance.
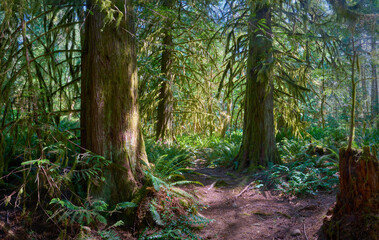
(249, 213)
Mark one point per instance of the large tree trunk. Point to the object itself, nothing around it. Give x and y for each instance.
(109, 118)
(356, 213)
(164, 129)
(258, 144)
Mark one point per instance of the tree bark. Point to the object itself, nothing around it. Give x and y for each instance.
(355, 215)
(164, 129)
(110, 118)
(258, 143)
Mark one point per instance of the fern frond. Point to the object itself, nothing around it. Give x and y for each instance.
(155, 214)
(185, 182)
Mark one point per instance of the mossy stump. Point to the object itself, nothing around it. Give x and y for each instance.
(356, 213)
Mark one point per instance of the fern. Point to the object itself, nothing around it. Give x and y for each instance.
(155, 214)
(80, 214)
(89, 211)
(109, 233)
(172, 209)
(304, 172)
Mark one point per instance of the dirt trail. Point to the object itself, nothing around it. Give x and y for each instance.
(239, 212)
(255, 214)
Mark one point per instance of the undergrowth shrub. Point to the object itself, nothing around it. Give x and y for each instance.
(173, 211)
(217, 151)
(303, 178)
(92, 211)
(54, 176)
(292, 149)
(307, 168)
(52, 184)
(156, 149)
(168, 162)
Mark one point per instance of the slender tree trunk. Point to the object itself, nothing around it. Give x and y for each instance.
(258, 143)
(109, 119)
(374, 82)
(229, 101)
(323, 99)
(364, 91)
(336, 107)
(305, 6)
(353, 97)
(227, 117)
(209, 118)
(164, 129)
(355, 215)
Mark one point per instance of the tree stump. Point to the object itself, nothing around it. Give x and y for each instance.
(356, 213)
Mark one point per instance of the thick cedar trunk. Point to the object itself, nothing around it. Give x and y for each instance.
(374, 82)
(164, 129)
(356, 213)
(258, 143)
(109, 118)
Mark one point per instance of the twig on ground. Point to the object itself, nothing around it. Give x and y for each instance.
(245, 189)
(212, 185)
(305, 233)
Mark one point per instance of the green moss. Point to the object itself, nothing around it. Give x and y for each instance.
(262, 213)
(221, 183)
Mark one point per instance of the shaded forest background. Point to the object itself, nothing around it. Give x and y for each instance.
(105, 105)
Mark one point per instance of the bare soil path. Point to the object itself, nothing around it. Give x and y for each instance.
(238, 208)
(241, 211)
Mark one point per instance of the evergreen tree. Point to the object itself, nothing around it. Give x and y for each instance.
(109, 119)
(258, 144)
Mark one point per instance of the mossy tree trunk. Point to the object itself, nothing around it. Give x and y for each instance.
(109, 119)
(258, 143)
(164, 127)
(356, 213)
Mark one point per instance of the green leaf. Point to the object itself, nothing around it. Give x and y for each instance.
(101, 219)
(155, 215)
(124, 205)
(38, 161)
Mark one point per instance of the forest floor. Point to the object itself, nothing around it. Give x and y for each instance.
(241, 211)
(237, 208)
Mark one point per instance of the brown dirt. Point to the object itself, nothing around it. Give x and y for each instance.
(256, 214)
